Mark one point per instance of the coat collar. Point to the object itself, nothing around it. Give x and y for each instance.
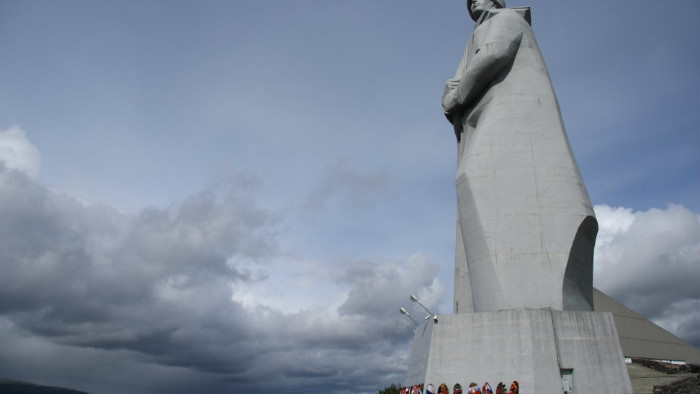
(524, 12)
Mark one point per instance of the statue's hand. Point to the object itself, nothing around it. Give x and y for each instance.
(449, 96)
(449, 101)
(452, 83)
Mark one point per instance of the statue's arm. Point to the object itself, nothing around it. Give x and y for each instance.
(450, 92)
(449, 98)
(494, 53)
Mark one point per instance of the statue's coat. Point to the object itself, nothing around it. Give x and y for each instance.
(526, 224)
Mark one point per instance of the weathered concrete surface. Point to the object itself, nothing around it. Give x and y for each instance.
(463, 289)
(530, 346)
(526, 223)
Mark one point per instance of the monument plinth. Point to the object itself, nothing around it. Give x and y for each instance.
(542, 349)
(525, 230)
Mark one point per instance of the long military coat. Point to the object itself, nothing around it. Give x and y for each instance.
(526, 228)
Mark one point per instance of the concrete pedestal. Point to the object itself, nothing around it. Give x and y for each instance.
(542, 349)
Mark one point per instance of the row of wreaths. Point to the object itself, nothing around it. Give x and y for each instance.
(457, 389)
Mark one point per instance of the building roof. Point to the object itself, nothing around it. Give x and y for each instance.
(640, 338)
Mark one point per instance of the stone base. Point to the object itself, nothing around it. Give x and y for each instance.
(544, 350)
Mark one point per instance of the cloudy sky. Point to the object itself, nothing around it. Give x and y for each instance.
(201, 196)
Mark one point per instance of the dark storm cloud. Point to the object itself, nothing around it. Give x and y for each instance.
(155, 287)
(153, 282)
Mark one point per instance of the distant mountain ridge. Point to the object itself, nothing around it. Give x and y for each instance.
(8, 386)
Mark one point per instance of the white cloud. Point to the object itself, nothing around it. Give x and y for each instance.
(18, 153)
(380, 288)
(612, 222)
(650, 261)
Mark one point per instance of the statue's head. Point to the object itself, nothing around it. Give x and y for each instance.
(477, 7)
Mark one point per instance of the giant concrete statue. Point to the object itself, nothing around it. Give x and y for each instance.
(525, 231)
(526, 228)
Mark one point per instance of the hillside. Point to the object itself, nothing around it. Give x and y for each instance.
(17, 387)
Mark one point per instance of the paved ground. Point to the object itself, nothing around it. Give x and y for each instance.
(644, 379)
